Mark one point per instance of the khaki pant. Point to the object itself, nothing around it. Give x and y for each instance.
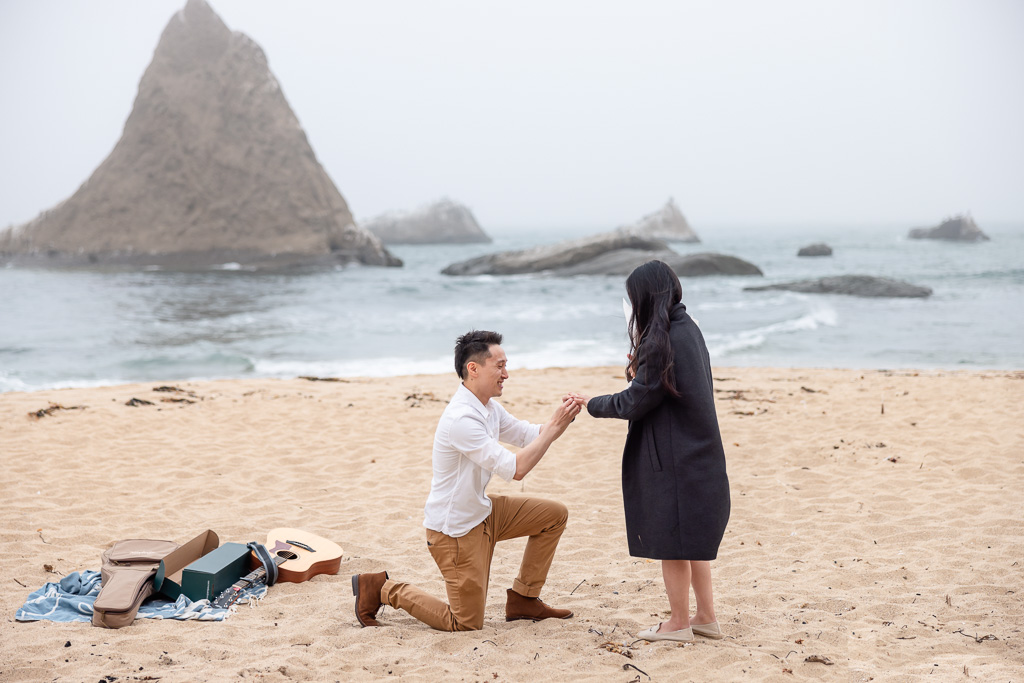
(465, 562)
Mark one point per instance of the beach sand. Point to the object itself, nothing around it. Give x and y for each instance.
(890, 543)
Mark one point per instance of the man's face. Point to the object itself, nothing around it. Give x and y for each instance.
(491, 373)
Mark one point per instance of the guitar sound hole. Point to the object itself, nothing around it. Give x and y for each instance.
(287, 554)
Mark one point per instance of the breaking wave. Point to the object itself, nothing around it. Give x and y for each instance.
(720, 345)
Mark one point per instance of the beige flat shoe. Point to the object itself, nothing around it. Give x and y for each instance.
(681, 636)
(707, 630)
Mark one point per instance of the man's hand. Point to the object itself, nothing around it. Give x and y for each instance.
(549, 431)
(563, 415)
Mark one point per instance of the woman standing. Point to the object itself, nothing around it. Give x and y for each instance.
(674, 483)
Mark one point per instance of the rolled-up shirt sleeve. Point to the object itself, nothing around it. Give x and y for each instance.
(469, 436)
(516, 432)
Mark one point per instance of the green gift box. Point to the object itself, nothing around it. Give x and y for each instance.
(200, 570)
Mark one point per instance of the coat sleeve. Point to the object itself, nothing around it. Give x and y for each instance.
(639, 398)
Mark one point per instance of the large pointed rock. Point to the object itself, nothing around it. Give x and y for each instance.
(213, 166)
(443, 222)
(668, 224)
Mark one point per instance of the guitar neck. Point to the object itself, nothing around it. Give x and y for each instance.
(253, 578)
(258, 575)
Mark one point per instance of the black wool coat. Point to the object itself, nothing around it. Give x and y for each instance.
(674, 484)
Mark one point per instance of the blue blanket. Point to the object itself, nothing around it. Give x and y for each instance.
(71, 599)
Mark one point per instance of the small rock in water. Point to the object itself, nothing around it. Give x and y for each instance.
(816, 249)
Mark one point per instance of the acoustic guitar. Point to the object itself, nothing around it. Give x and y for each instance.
(299, 556)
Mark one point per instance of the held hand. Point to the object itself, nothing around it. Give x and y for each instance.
(570, 407)
(550, 430)
(581, 399)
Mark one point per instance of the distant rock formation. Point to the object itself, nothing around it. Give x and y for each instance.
(623, 261)
(694, 265)
(611, 253)
(553, 256)
(853, 285)
(212, 167)
(667, 224)
(956, 229)
(816, 249)
(443, 222)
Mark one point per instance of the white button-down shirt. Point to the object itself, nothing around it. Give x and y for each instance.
(466, 454)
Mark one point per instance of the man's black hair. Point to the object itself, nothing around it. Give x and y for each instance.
(473, 346)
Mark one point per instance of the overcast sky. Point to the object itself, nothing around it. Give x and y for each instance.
(574, 114)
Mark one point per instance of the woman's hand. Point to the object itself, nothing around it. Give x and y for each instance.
(581, 399)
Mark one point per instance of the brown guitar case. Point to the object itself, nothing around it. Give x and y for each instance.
(127, 579)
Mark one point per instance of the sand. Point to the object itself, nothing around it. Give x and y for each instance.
(890, 543)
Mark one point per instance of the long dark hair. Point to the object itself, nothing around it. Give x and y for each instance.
(653, 290)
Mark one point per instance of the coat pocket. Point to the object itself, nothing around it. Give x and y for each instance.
(652, 448)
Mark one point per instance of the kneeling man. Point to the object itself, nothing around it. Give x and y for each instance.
(464, 523)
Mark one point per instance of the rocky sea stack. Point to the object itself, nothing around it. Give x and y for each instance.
(212, 167)
(443, 222)
(668, 223)
(955, 229)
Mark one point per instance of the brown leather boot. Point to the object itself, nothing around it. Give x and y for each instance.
(519, 607)
(366, 588)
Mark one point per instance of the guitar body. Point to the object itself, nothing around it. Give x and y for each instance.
(305, 555)
(298, 556)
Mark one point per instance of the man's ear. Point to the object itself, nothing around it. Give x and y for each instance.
(471, 369)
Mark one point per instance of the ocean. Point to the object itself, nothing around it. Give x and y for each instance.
(77, 328)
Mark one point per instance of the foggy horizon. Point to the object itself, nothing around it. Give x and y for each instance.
(576, 116)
